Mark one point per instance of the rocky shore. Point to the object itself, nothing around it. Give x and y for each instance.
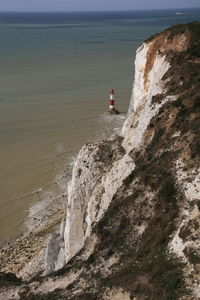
(24, 256)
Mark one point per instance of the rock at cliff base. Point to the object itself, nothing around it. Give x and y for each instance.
(113, 111)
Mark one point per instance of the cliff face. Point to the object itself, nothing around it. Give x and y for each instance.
(101, 168)
(133, 216)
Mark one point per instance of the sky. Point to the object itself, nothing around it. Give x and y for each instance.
(92, 5)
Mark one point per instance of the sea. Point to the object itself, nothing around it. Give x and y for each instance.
(56, 70)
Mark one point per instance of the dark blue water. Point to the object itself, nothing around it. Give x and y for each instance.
(161, 17)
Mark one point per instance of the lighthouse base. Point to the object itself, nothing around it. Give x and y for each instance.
(113, 111)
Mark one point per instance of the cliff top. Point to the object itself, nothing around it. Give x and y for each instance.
(191, 30)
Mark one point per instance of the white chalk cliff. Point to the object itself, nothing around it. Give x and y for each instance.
(94, 179)
(132, 226)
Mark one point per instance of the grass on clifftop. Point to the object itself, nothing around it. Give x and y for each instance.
(194, 30)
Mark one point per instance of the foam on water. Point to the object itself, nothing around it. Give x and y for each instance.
(50, 201)
(107, 118)
(110, 124)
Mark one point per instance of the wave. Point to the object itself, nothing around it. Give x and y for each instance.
(50, 200)
(112, 122)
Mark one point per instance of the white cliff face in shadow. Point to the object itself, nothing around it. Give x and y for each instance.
(96, 176)
(87, 172)
(94, 183)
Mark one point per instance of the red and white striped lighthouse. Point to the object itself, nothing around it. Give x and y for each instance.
(112, 100)
(112, 109)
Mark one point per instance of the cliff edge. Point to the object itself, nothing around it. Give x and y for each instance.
(132, 227)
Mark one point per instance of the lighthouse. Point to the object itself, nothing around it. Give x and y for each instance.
(112, 109)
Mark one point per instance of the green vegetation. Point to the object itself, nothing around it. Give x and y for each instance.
(178, 29)
(7, 279)
(150, 270)
(194, 31)
(147, 269)
(155, 275)
(193, 257)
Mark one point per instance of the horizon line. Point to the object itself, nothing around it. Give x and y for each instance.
(96, 11)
